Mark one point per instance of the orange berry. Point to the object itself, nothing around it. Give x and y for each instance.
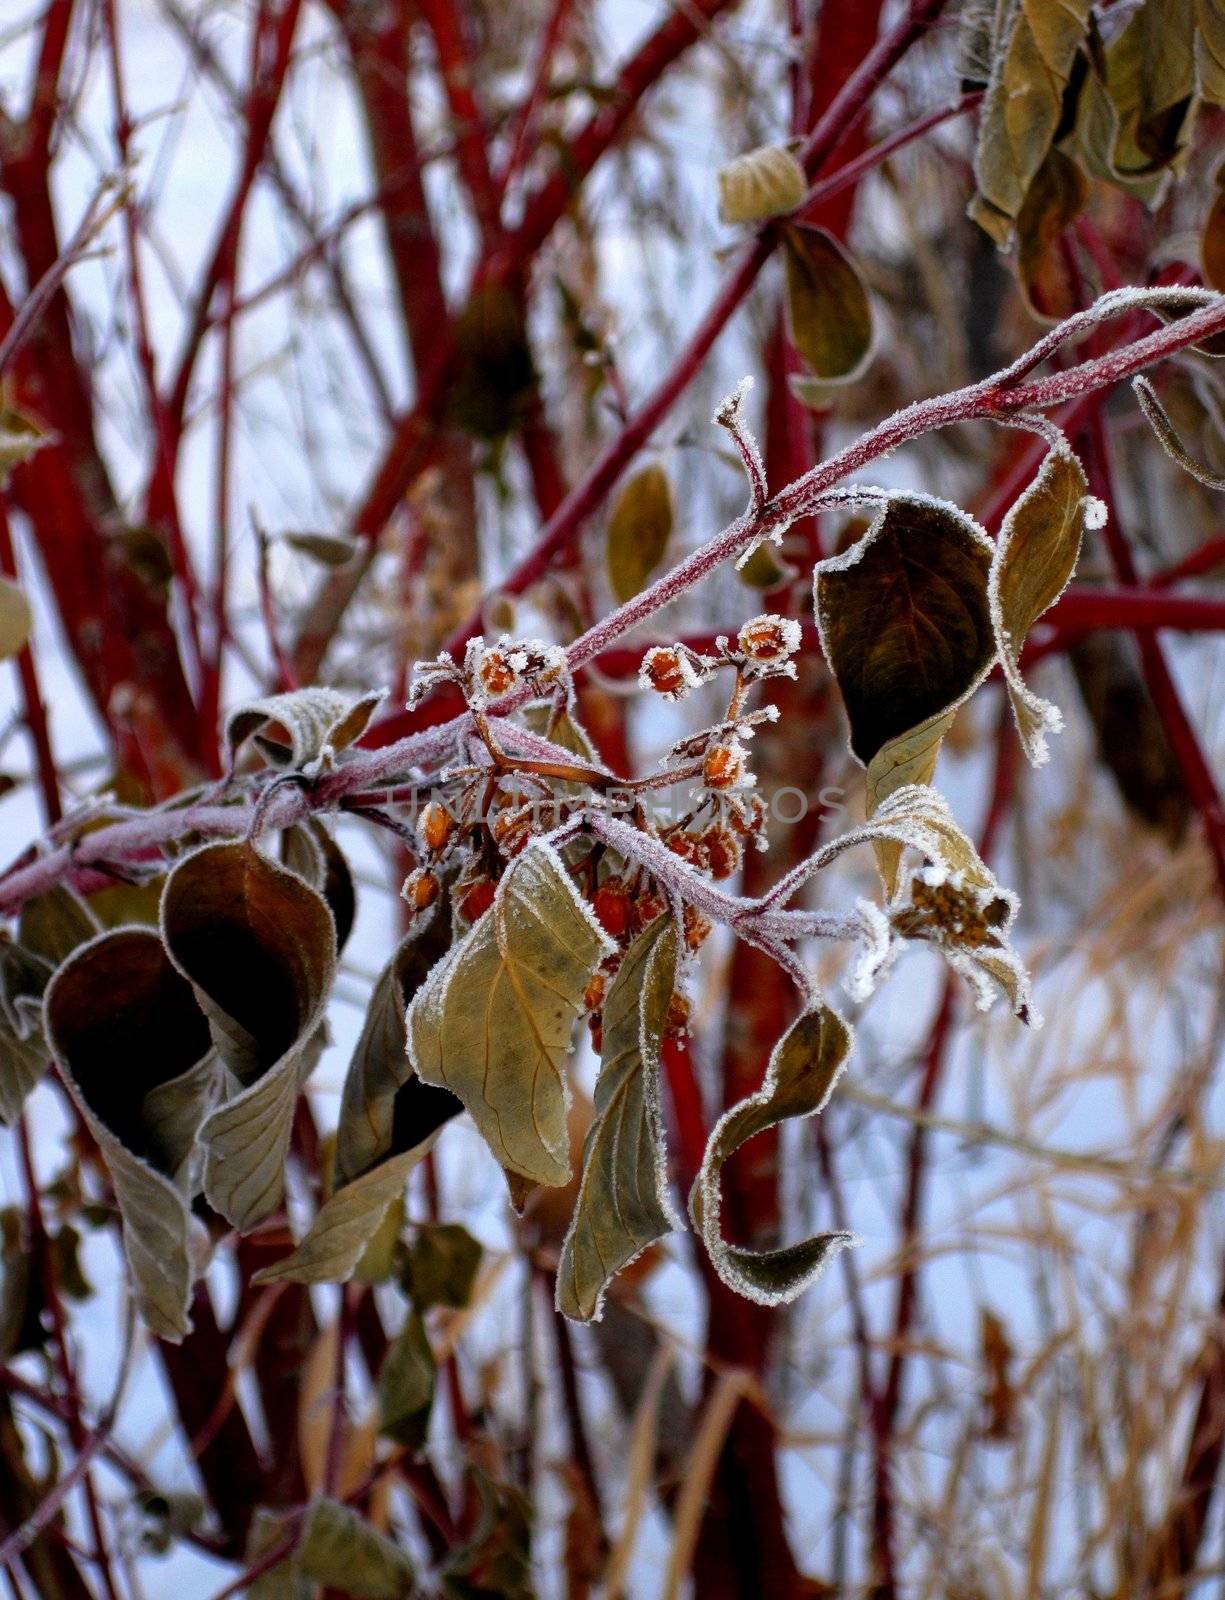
(421, 888)
(473, 897)
(648, 905)
(724, 766)
(663, 670)
(611, 905)
(436, 826)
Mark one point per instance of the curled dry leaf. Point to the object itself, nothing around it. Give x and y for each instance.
(19, 440)
(828, 310)
(904, 619)
(1034, 48)
(335, 1547)
(1034, 559)
(23, 1050)
(15, 619)
(406, 1384)
(804, 1066)
(388, 1121)
(311, 851)
(623, 1203)
(379, 1070)
(1055, 198)
(762, 183)
(967, 914)
(258, 945)
(328, 549)
(638, 530)
(1159, 421)
(320, 723)
(1212, 242)
(493, 1022)
(134, 1051)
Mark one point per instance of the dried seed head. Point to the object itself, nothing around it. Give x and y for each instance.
(770, 639)
(747, 816)
(676, 1024)
(686, 846)
(436, 826)
(495, 671)
(511, 830)
(421, 888)
(697, 927)
(593, 997)
(647, 905)
(722, 850)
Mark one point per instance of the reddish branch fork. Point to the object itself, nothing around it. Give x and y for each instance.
(1001, 397)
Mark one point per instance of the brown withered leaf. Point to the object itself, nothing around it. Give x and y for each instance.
(761, 183)
(1033, 562)
(1210, 51)
(335, 1548)
(496, 374)
(1055, 198)
(320, 723)
(623, 1204)
(20, 438)
(904, 620)
(1035, 50)
(1212, 241)
(804, 1066)
(442, 1265)
(638, 531)
(406, 1384)
(334, 1245)
(135, 1053)
(312, 852)
(829, 313)
(23, 1050)
(258, 945)
(15, 619)
(54, 924)
(1160, 422)
(328, 549)
(493, 1022)
(379, 1070)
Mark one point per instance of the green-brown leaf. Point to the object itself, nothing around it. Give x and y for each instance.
(15, 619)
(804, 1066)
(1034, 559)
(623, 1203)
(762, 183)
(828, 310)
(638, 530)
(493, 1022)
(1035, 47)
